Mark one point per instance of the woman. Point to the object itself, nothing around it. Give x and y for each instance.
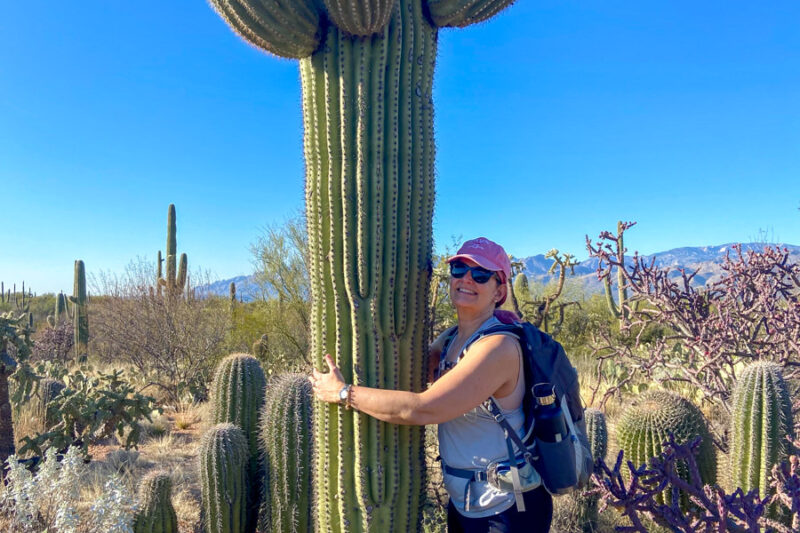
(469, 437)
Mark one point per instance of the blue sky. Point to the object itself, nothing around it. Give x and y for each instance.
(553, 120)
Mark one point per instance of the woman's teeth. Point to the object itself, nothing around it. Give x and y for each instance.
(466, 291)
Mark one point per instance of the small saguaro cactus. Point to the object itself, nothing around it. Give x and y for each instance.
(645, 426)
(175, 280)
(761, 421)
(597, 434)
(223, 459)
(367, 82)
(80, 311)
(286, 443)
(237, 395)
(156, 513)
(49, 388)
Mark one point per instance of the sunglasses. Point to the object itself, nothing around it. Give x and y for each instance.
(479, 274)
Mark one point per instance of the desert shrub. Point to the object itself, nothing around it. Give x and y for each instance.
(54, 343)
(49, 500)
(284, 303)
(173, 342)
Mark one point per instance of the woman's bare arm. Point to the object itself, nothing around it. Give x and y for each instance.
(491, 363)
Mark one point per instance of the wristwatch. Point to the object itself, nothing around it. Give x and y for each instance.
(344, 396)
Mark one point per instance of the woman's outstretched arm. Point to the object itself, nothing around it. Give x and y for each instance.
(490, 367)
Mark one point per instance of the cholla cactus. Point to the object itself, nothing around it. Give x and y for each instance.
(760, 423)
(646, 426)
(286, 442)
(223, 479)
(156, 513)
(261, 348)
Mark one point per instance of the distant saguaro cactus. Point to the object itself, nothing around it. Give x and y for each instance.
(80, 311)
(645, 427)
(760, 422)
(287, 446)
(175, 280)
(223, 479)
(237, 396)
(156, 513)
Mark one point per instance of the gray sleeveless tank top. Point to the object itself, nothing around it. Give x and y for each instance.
(472, 441)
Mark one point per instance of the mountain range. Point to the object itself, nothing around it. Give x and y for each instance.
(706, 259)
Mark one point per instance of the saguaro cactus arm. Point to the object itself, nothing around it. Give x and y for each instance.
(460, 13)
(288, 29)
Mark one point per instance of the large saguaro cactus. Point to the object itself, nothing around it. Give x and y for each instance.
(367, 76)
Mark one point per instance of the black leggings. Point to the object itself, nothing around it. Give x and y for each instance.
(536, 518)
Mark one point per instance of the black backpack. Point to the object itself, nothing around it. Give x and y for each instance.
(544, 360)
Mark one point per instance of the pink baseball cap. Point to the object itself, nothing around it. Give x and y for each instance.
(487, 254)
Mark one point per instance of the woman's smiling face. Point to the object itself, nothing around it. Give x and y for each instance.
(465, 293)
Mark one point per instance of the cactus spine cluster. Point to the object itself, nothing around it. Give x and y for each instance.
(761, 421)
(156, 513)
(367, 76)
(237, 396)
(646, 425)
(175, 280)
(80, 311)
(224, 458)
(287, 441)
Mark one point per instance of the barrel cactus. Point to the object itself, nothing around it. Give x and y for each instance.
(286, 443)
(367, 77)
(156, 513)
(49, 388)
(237, 395)
(761, 420)
(224, 459)
(646, 425)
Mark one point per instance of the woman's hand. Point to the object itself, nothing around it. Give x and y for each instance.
(327, 386)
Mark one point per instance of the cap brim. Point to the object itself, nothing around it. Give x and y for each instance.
(480, 261)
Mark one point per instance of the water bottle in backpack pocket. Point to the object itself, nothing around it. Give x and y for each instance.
(556, 443)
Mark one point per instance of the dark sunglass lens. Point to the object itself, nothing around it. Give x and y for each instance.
(458, 269)
(481, 275)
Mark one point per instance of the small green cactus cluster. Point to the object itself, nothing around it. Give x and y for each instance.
(761, 421)
(224, 458)
(237, 397)
(156, 513)
(646, 425)
(49, 388)
(287, 442)
(175, 280)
